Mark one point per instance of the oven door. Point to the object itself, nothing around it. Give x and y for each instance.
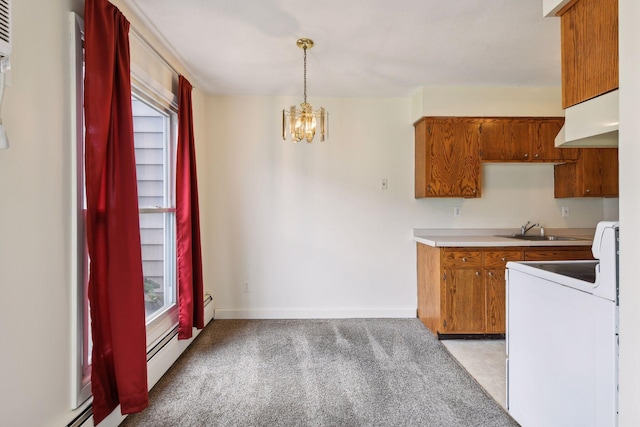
(561, 354)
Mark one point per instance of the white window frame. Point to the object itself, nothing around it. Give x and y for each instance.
(80, 384)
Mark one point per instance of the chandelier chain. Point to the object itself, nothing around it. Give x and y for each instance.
(305, 74)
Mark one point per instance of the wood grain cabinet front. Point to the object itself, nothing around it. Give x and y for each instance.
(447, 162)
(495, 262)
(461, 291)
(449, 152)
(464, 310)
(522, 139)
(595, 174)
(559, 254)
(589, 49)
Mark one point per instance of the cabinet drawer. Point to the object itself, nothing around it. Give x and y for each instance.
(462, 259)
(558, 255)
(498, 259)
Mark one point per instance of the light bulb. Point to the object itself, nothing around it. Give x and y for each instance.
(310, 130)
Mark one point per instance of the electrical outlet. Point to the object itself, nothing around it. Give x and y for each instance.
(245, 287)
(384, 184)
(565, 211)
(456, 212)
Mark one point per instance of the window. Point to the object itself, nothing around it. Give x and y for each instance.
(79, 268)
(155, 134)
(155, 141)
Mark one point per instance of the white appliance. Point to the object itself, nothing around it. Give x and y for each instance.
(562, 338)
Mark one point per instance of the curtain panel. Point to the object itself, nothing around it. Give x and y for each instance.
(189, 254)
(116, 296)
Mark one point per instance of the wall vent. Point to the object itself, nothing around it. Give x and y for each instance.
(5, 27)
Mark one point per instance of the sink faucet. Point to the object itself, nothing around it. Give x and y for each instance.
(526, 227)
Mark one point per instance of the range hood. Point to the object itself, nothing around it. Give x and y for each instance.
(592, 123)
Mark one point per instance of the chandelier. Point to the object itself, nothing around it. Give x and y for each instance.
(302, 123)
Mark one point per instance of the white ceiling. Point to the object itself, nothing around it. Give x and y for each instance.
(362, 47)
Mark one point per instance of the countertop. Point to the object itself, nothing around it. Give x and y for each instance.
(489, 237)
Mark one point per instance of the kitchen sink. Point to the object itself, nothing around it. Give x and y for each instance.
(533, 237)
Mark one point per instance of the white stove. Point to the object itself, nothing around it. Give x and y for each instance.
(562, 338)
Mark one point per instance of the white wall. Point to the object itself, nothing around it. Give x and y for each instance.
(307, 225)
(302, 223)
(629, 15)
(487, 101)
(35, 304)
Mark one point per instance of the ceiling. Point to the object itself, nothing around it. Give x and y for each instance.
(362, 47)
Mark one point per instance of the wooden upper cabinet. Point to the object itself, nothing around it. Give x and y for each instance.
(447, 162)
(543, 148)
(595, 174)
(589, 43)
(523, 139)
(505, 139)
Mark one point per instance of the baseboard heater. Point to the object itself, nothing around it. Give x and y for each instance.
(87, 413)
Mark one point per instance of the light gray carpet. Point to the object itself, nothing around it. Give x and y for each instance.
(338, 372)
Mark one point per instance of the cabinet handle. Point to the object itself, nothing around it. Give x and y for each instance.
(490, 274)
(464, 260)
(526, 155)
(537, 155)
(477, 273)
(588, 190)
(504, 258)
(473, 191)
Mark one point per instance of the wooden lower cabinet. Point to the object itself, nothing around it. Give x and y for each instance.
(553, 254)
(496, 301)
(462, 290)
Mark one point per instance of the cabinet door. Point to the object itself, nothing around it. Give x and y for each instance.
(599, 172)
(589, 37)
(505, 140)
(595, 174)
(543, 140)
(453, 162)
(495, 263)
(496, 301)
(464, 301)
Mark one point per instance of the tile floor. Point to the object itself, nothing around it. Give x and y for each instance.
(485, 360)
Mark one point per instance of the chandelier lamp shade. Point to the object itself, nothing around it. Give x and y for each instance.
(302, 123)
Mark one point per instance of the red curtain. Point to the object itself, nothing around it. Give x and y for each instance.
(116, 296)
(189, 265)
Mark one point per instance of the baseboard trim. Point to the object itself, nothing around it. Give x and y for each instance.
(157, 366)
(385, 313)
